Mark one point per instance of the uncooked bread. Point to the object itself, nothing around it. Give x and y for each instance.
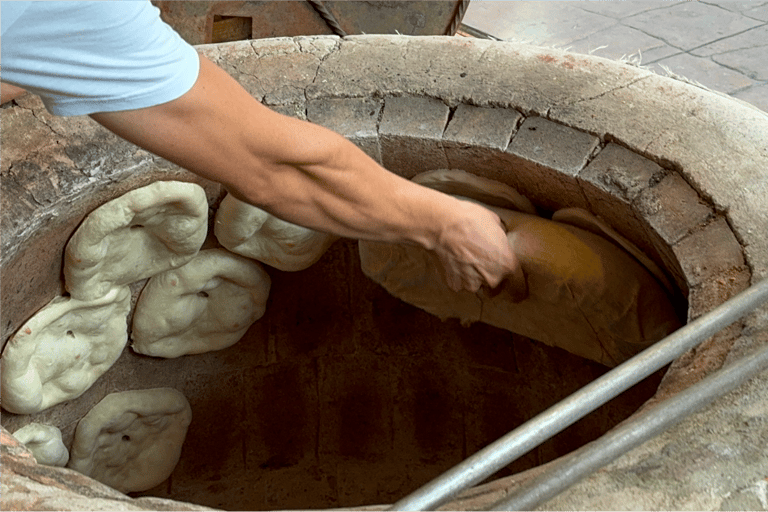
(45, 443)
(254, 233)
(586, 295)
(144, 232)
(132, 440)
(61, 351)
(207, 304)
(482, 190)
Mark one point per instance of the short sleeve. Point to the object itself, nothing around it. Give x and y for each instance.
(87, 57)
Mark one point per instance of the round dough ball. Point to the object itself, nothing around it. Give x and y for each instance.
(132, 440)
(45, 443)
(206, 305)
(61, 351)
(254, 233)
(137, 235)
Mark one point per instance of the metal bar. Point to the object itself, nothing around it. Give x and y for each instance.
(328, 17)
(458, 15)
(474, 32)
(505, 450)
(612, 445)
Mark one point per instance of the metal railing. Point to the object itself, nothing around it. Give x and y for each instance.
(505, 450)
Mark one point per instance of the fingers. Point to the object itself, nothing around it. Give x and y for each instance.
(476, 253)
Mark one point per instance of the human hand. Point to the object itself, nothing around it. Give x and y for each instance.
(473, 252)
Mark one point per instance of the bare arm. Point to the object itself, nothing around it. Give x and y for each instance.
(312, 176)
(9, 92)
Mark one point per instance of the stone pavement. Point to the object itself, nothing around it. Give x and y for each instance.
(722, 45)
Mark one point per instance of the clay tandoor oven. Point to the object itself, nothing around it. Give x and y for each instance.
(342, 395)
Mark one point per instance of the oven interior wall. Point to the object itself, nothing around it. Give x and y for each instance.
(342, 395)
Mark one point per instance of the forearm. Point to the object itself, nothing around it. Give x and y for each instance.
(9, 92)
(333, 186)
(299, 171)
(306, 174)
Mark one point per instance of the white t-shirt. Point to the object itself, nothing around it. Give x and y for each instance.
(99, 56)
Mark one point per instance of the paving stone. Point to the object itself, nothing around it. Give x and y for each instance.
(705, 71)
(620, 41)
(709, 253)
(758, 10)
(548, 156)
(621, 9)
(756, 95)
(688, 25)
(540, 23)
(476, 138)
(755, 37)
(411, 132)
(742, 6)
(750, 61)
(672, 208)
(355, 118)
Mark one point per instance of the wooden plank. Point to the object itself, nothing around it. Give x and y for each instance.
(231, 28)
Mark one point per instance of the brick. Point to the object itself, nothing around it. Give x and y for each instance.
(357, 119)
(713, 292)
(216, 444)
(620, 172)
(547, 158)
(672, 208)
(709, 253)
(611, 182)
(282, 409)
(486, 127)
(476, 138)
(411, 133)
(429, 410)
(356, 405)
(296, 110)
(299, 325)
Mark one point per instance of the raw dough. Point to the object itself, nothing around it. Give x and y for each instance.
(254, 233)
(132, 440)
(482, 190)
(45, 443)
(61, 351)
(207, 304)
(144, 232)
(586, 295)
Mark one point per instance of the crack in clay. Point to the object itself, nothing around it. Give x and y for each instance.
(11, 245)
(45, 123)
(604, 93)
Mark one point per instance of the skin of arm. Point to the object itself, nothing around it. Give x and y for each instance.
(9, 92)
(309, 175)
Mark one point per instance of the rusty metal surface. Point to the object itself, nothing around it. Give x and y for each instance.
(198, 21)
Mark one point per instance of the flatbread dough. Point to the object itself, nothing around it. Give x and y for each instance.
(482, 190)
(586, 294)
(132, 440)
(45, 443)
(144, 232)
(207, 304)
(254, 233)
(61, 351)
